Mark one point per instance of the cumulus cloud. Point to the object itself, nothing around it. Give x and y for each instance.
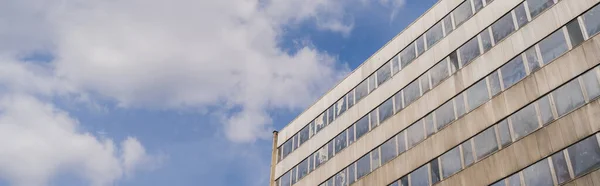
(39, 141)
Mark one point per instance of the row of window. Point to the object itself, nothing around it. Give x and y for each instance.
(574, 161)
(511, 74)
(480, 92)
(384, 73)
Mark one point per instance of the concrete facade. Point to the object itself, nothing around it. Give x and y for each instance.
(563, 132)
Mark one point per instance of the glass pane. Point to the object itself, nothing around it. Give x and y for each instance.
(459, 101)
(469, 51)
(340, 178)
(453, 57)
(420, 177)
(285, 179)
(439, 72)
(451, 162)
(444, 115)
(468, 153)
(303, 169)
(351, 135)
(495, 83)
(401, 142)
(462, 13)
(504, 133)
(545, 110)
(532, 59)
(585, 156)
(499, 183)
(513, 72)
(477, 94)
(590, 81)
(395, 65)
(415, 133)
(362, 126)
(420, 45)
(394, 184)
(331, 113)
(374, 121)
(411, 92)
(363, 166)
(478, 4)
(407, 55)
(429, 125)
(591, 20)
(404, 181)
(514, 180)
(388, 150)
(386, 110)
(372, 85)
(340, 107)
(384, 73)
(568, 97)
(424, 79)
(375, 161)
(351, 173)
(434, 34)
(435, 171)
(524, 121)
(521, 15)
(351, 98)
(398, 100)
(330, 182)
(538, 174)
(575, 33)
(330, 148)
(537, 6)
(486, 40)
(485, 143)
(287, 148)
(503, 27)
(340, 142)
(303, 135)
(448, 24)
(560, 167)
(553, 46)
(320, 122)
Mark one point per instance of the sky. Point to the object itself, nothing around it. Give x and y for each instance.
(179, 92)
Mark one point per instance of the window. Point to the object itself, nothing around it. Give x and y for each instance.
(404, 181)
(362, 126)
(411, 92)
(591, 19)
(294, 171)
(453, 58)
(568, 97)
(351, 173)
(532, 60)
(386, 110)
(575, 33)
(384, 73)
(420, 45)
(538, 174)
(303, 169)
(375, 161)
(351, 134)
(450, 162)
(469, 51)
(362, 90)
(499, 183)
(340, 178)
(434, 34)
(407, 55)
(513, 72)
(439, 72)
(372, 85)
(459, 101)
(486, 40)
(303, 135)
(477, 94)
(553, 46)
(415, 133)
(331, 114)
(287, 148)
(524, 121)
(350, 96)
(340, 106)
(503, 27)
(537, 6)
(514, 180)
(330, 148)
(420, 177)
(585, 156)
(462, 13)
(424, 79)
(435, 171)
(340, 142)
(485, 143)
(478, 4)
(429, 125)
(363, 166)
(388, 150)
(560, 167)
(374, 121)
(401, 142)
(504, 133)
(444, 114)
(285, 179)
(395, 65)
(521, 15)
(468, 153)
(590, 81)
(448, 24)
(398, 100)
(545, 110)
(494, 83)
(320, 122)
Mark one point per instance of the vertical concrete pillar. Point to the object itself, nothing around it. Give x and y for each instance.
(273, 159)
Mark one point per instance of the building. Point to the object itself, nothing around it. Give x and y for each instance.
(474, 92)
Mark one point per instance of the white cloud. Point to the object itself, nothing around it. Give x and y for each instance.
(39, 141)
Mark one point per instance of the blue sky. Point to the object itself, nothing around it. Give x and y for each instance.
(133, 92)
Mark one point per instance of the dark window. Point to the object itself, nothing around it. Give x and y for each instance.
(513, 72)
(538, 174)
(553, 46)
(568, 97)
(434, 34)
(386, 110)
(388, 150)
(537, 6)
(503, 27)
(560, 167)
(469, 51)
(585, 156)
(575, 33)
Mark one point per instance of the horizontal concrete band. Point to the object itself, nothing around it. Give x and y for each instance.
(531, 88)
(462, 34)
(497, 56)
